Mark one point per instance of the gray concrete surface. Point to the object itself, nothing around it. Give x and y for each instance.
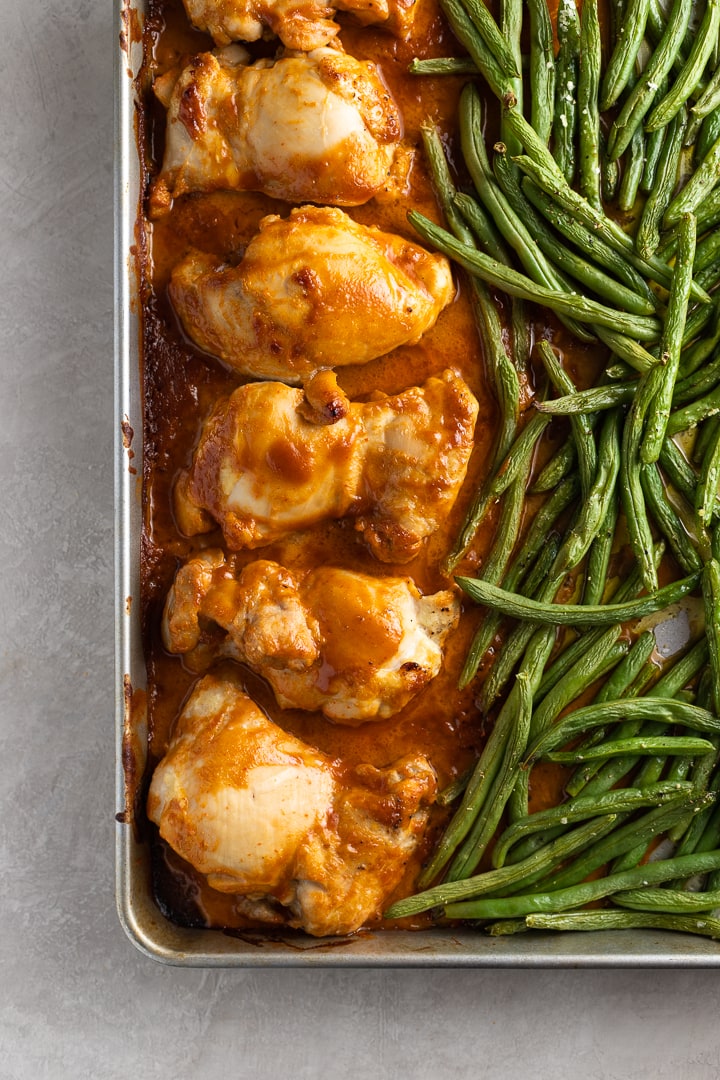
(76, 1000)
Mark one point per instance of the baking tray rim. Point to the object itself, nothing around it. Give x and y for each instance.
(155, 936)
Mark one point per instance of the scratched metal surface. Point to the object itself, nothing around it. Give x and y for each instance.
(152, 934)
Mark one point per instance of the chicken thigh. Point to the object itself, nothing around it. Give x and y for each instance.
(271, 461)
(356, 647)
(300, 24)
(315, 127)
(302, 840)
(312, 290)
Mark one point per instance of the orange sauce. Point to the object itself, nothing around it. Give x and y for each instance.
(181, 384)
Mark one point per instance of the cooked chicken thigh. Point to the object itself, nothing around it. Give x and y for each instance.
(304, 841)
(300, 24)
(356, 647)
(316, 127)
(267, 465)
(312, 290)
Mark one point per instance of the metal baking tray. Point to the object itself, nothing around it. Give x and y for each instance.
(146, 927)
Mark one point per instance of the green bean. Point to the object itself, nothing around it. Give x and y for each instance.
(708, 252)
(648, 234)
(615, 802)
(699, 832)
(587, 524)
(507, 388)
(631, 490)
(659, 710)
(581, 429)
(571, 305)
(629, 589)
(628, 39)
(588, 89)
(442, 181)
(698, 383)
(711, 598)
(607, 230)
(589, 401)
(474, 796)
(480, 224)
(505, 927)
(446, 65)
(496, 561)
(669, 901)
(483, 830)
(679, 470)
(625, 920)
(696, 376)
(655, 147)
(709, 99)
(656, 24)
(671, 342)
(490, 625)
(518, 456)
(490, 240)
(510, 225)
(691, 73)
(556, 470)
(599, 554)
(708, 215)
(504, 377)
(698, 319)
(575, 615)
(706, 496)
(566, 75)
(709, 277)
(542, 69)
(502, 371)
(641, 96)
(588, 241)
(698, 187)
(531, 868)
(560, 255)
(483, 58)
(668, 685)
(511, 19)
(632, 172)
(668, 521)
(517, 642)
(708, 134)
(666, 746)
(626, 837)
(694, 413)
(532, 545)
(575, 896)
(620, 684)
(454, 790)
(609, 173)
(494, 761)
(489, 31)
(581, 675)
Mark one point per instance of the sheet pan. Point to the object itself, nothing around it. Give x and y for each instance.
(146, 927)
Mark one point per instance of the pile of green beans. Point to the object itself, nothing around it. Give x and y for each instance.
(596, 215)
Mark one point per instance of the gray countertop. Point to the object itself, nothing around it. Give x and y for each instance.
(76, 999)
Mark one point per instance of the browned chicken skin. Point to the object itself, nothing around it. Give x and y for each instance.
(300, 840)
(311, 127)
(356, 647)
(300, 24)
(265, 467)
(312, 290)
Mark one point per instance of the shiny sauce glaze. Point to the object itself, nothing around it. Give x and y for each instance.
(181, 384)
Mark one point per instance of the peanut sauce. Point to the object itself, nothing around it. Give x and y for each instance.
(181, 384)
